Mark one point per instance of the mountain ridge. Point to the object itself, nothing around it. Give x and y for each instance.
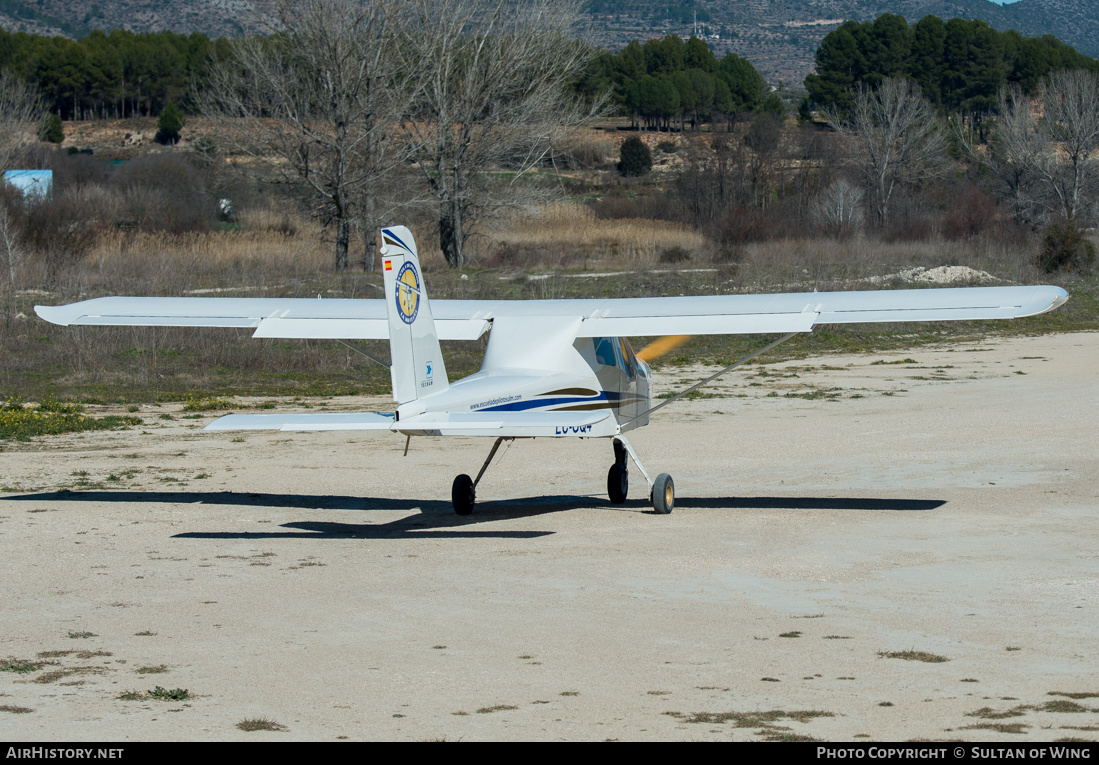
(779, 37)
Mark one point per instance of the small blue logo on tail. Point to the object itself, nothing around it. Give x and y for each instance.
(408, 293)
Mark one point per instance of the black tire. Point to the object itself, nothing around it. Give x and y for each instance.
(462, 495)
(618, 483)
(663, 494)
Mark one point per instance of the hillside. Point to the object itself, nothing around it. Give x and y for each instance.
(74, 18)
(779, 36)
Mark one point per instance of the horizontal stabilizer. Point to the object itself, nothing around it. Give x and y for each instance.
(516, 424)
(360, 329)
(307, 421)
(282, 318)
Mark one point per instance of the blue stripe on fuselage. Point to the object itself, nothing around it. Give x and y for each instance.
(520, 406)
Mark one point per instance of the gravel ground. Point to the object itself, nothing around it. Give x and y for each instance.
(864, 547)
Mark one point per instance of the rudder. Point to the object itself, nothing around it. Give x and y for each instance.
(416, 366)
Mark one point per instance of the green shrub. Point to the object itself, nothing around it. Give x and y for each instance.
(51, 417)
(1065, 248)
(634, 157)
(163, 694)
(206, 404)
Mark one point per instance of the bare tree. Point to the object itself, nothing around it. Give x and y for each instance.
(11, 237)
(1016, 140)
(839, 208)
(895, 140)
(21, 112)
(495, 96)
(1067, 166)
(762, 156)
(319, 102)
(1042, 151)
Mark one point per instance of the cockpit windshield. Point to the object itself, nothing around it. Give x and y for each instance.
(616, 352)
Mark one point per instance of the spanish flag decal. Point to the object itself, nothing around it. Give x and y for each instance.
(389, 265)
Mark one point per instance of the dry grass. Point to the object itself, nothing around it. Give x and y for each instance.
(913, 655)
(528, 256)
(260, 723)
(570, 235)
(160, 263)
(1014, 728)
(826, 263)
(767, 722)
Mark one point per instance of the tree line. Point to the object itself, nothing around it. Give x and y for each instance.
(960, 65)
(114, 74)
(121, 74)
(672, 81)
(366, 108)
(371, 108)
(1022, 112)
(891, 167)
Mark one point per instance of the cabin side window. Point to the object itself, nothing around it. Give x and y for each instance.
(604, 352)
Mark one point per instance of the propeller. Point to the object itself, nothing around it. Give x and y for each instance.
(661, 346)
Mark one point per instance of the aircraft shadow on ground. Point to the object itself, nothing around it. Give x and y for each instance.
(811, 503)
(437, 519)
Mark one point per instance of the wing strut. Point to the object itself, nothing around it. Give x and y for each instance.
(712, 377)
(491, 454)
(368, 354)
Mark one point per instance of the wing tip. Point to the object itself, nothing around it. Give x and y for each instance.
(1051, 298)
(54, 314)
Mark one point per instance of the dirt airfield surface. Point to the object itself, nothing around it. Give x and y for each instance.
(939, 504)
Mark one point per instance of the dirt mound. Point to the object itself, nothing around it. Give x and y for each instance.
(940, 275)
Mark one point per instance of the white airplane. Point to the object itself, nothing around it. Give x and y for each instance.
(552, 368)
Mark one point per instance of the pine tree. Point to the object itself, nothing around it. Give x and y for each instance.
(51, 129)
(635, 157)
(170, 123)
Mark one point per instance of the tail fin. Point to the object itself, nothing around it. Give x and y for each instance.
(417, 365)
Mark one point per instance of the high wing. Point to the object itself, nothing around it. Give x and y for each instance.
(468, 319)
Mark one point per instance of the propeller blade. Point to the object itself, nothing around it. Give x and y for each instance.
(660, 346)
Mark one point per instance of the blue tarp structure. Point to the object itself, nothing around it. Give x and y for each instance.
(35, 184)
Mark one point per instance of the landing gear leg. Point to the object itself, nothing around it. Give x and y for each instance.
(463, 492)
(661, 491)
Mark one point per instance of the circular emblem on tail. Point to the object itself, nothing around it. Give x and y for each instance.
(408, 293)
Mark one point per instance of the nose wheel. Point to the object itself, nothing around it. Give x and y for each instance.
(663, 496)
(662, 490)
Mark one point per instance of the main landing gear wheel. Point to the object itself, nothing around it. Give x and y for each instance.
(618, 483)
(462, 495)
(663, 494)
